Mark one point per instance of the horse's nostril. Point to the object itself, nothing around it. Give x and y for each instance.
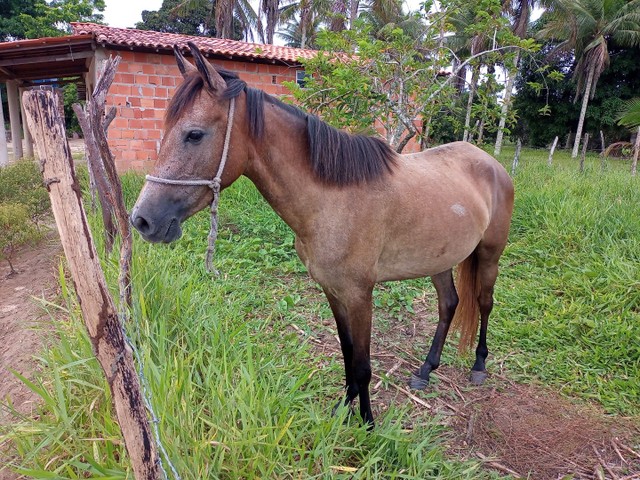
(140, 224)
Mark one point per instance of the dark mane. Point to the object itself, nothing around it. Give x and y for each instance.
(337, 157)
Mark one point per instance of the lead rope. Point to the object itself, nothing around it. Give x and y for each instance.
(214, 185)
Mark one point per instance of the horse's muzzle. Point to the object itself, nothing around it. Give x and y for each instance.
(165, 231)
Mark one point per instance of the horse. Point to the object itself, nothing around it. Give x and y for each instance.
(362, 214)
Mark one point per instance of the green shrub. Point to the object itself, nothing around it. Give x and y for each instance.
(21, 182)
(16, 229)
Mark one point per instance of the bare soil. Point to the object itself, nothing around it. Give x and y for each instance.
(23, 328)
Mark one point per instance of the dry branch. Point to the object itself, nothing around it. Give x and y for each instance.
(98, 308)
(94, 123)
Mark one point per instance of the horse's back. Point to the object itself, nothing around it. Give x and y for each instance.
(444, 201)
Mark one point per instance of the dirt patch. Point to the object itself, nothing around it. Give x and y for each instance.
(524, 431)
(23, 326)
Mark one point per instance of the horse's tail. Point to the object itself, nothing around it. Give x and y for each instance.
(467, 314)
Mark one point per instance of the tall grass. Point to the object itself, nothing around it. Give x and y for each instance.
(568, 311)
(239, 395)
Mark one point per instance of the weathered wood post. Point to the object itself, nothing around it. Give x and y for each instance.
(636, 151)
(553, 149)
(98, 308)
(584, 151)
(516, 157)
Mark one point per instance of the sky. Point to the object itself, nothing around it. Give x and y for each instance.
(126, 13)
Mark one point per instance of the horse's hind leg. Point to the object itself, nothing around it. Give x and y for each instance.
(354, 330)
(447, 303)
(487, 275)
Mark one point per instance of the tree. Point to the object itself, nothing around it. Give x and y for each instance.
(11, 26)
(520, 14)
(53, 18)
(195, 22)
(393, 81)
(545, 108)
(229, 16)
(589, 28)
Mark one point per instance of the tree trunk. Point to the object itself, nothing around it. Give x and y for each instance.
(472, 91)
(506, 104)
(98, 309)
(583, 111)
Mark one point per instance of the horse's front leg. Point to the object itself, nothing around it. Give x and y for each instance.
(447, 303)
(353, 319)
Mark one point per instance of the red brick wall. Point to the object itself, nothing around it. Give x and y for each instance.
(141, 90)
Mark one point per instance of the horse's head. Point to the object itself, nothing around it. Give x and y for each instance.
(197, 121)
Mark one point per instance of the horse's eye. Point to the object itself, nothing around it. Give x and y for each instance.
(194, 136)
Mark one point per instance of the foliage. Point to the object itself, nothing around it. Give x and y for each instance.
(16, 229)
(629, 114)
(70, 96)
(545, 107)
(11, 25)
(23, 200)
(233, 19)
(21, 182)
(395, 80)
(195, 21)
(53, 18)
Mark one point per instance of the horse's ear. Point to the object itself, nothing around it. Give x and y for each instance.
(213, 80)
(183, 65)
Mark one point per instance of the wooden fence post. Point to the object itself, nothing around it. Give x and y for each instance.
(516, 157)
(98, 308)
(636, 150)
(584, 151)
(553, 149)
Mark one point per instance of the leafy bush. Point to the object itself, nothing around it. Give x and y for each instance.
(23, 200)
(21, 182)
(15, 230)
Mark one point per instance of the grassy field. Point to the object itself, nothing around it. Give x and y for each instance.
(239, 395)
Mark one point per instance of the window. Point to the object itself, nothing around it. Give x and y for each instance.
(301, 78)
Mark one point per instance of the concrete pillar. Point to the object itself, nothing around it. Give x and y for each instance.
(4, 154)
(28, 140)
(14, 118)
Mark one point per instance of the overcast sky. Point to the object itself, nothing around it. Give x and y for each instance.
(126, 13)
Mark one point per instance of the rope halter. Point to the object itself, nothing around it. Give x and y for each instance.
(214, 185)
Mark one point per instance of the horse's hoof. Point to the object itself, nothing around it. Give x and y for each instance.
(477, 377)
(340, 404)
(418, 383)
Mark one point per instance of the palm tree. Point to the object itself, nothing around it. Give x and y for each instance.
(302, 19)
(520, 13)
(270, 9)
(227, 15)
(588, 27)
(629, 115)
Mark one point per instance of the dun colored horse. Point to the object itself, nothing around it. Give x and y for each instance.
(361, 213)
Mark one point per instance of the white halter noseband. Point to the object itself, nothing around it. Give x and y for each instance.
(212, 184)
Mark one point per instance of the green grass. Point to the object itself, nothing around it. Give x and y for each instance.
(240, 396)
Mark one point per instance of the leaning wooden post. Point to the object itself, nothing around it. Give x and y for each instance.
(553, 149)
(516, 157)
(584, 151)
(636, 150)
(98, 308)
